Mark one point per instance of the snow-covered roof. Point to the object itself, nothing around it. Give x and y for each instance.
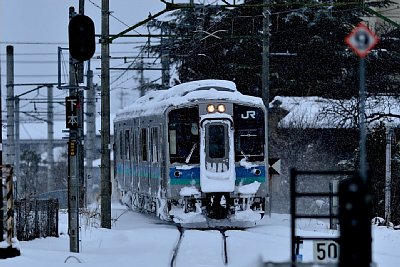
(318, 112)
(156, 102)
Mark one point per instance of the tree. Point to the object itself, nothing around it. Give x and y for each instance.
(212, 42)
(61, 168)
(31, 179)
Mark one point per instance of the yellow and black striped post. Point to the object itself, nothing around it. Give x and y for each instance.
(8, 170)
(10, 251)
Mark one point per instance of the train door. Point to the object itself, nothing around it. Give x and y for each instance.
(217, 167)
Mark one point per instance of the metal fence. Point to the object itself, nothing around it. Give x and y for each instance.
(36, 218)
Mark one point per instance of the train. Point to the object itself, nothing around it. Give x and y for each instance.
(194, 154)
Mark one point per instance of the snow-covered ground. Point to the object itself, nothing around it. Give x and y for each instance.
(142, 240)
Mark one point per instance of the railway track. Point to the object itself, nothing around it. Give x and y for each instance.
(177, 246)
(182, 231)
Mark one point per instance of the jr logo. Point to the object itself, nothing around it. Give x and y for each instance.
(249, 114)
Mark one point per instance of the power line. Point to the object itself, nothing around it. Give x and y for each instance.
(31, 43)
(111, 15)
(58, 43)
(55, 53)
(37, 75)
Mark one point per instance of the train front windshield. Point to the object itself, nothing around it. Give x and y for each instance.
(216, 147)
(249, 133)
(184, 139)
(183, 131)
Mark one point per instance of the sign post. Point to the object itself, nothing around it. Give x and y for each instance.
(354, 201)
(362, 40)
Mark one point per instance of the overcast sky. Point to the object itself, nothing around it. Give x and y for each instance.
(36, 28)
(41, 26)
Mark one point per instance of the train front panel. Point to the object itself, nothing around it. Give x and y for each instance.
(216, 161)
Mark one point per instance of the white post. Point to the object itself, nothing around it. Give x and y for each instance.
(388, 173)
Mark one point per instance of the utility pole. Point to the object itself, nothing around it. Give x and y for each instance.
(73, 175)
(165, 76)
(265, 85)
(81, 48)
(105, 118)
(141, 81)
(90, 133)
(50, 137)
(17, 148)
(10, 106)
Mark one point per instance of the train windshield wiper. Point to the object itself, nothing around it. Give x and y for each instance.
(244, 155)
(190, 153)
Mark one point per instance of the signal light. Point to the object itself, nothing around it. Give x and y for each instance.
(81, 37)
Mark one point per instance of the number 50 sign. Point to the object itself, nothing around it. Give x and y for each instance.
(325, 251)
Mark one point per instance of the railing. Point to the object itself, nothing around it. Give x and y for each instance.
(295, 194)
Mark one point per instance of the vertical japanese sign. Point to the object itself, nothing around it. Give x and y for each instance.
(72, 106)
(72, 148)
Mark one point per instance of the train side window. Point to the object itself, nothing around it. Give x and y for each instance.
(154, 145)
(127, 145)
(172, 142)
(143, 144)
(121, 146)
(133, 151)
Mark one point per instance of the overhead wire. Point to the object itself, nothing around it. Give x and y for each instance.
(111, 15)
(130, 65)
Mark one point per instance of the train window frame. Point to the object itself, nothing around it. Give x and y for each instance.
(252, 135)
(154, 144)
(127, 145)
(250, 128)
(143, 145)
(183, 135)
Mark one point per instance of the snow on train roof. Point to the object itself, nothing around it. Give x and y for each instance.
(156, 102)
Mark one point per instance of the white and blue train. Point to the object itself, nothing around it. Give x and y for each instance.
(194, 154)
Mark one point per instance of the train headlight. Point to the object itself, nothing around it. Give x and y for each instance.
(211, 108)
(221, 108)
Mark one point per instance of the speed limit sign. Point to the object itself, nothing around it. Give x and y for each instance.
(362, 40)
(325, 251)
